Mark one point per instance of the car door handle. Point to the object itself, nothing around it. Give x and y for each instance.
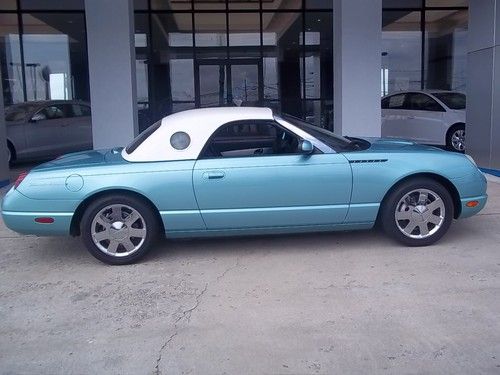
(411, 117)
(215, 175)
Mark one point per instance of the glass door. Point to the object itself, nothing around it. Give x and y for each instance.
(222, 83)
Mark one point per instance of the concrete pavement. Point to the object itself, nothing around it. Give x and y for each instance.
(335, 303)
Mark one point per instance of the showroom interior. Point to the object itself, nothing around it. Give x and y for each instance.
(328, 62)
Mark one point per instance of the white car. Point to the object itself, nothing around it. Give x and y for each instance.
(430, 117)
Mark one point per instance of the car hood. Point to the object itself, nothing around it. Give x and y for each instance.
(83, 159)
(396, 145)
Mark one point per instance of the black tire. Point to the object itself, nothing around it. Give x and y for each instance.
(449, 138)
(395, 228)
(146, 217)
(12, 153)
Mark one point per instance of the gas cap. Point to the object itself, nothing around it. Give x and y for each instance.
(74, 182)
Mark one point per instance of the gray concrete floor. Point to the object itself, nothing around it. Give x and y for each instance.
(344, 303)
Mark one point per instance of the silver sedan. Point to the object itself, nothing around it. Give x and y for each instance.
(44, 129)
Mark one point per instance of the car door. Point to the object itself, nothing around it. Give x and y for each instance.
(80, 128)
(425, 124)
(394, 116)
(242, 185)
(46, 133)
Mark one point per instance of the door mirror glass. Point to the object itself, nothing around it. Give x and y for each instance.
(38, 117)
(306, 147)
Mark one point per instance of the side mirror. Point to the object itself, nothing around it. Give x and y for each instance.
(306, 147)
(37, 117)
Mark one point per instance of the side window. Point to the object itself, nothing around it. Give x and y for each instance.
(396, 101)
(422, 102)
(80, 110)
(249, 139)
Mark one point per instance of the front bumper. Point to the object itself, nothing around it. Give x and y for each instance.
(470, 211)
(19, 213)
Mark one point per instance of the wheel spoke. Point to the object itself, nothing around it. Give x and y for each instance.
(410, 227)
(434, 219)
(403, 215)
(438, 203)
(137, 232)
(422, 198)
(116, 213)
(101, 236)
(129, 246)
(132, 218)
(424, 230)
(101, 220)
(113, 246)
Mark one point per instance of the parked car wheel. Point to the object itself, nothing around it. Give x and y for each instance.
(418, 212)
(119, 229)
(455, 138)
(11, 153)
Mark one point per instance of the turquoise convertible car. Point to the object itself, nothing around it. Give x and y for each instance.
(238, 171)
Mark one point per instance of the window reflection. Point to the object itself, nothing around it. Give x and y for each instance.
(446, 49)
(55, 56)
(401, 50)
(10, 60)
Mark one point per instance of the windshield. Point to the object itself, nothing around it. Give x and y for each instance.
(336, 142)
(142, 137)
(18, 112)
(452, 100)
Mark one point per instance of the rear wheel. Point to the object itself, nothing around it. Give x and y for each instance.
(455, 139)
(119, 229)
(417, 213)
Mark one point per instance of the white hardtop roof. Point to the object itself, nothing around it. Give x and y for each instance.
(199, 124)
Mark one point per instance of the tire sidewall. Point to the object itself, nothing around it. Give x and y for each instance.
(388, 220)
(145, 211)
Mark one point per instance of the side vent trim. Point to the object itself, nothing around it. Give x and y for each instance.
(368, 161)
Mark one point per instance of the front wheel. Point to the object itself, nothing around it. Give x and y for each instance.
(418, 212)
(119, 229)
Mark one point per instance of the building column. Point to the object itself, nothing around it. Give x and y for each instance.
(111, 51)
(483, 83)
(357, 33)
(4, 164)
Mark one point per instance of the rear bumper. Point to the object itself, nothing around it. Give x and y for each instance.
(19, 213)
(24, 223)
(470, 211)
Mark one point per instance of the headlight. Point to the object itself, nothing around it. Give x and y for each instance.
(471, 159)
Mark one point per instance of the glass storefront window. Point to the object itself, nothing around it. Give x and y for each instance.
(55, 56)
(52, 5)
(8, 5)
(10, 60)
(171, 4)
(446, 49)
(401, 51)
(446, 3)
(282, 4)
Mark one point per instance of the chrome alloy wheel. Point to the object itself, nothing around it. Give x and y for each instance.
(420, 213)
(118, 230)
(458, 140)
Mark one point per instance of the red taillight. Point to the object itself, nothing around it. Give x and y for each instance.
(44, 220)
(20, 179)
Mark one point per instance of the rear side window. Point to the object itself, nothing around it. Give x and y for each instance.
(394, 102)
(422, 102)
(142, 137)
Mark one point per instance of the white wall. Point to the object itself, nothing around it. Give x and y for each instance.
(111, 51)
(483, 83)
(357, 49)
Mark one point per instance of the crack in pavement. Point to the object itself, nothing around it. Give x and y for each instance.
(186, 314)
(158, 360)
